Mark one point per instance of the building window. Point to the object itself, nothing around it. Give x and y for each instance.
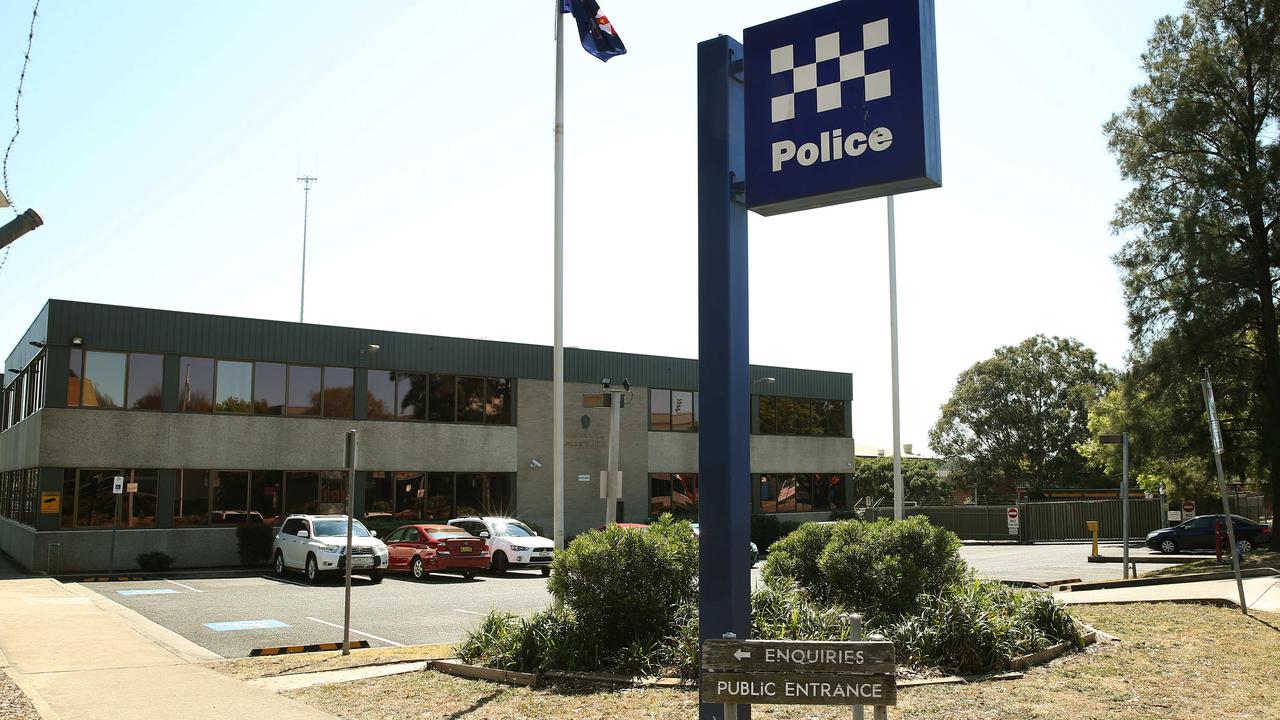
(778, 415)
(191, 498)
(800, 492)
(234, 387)
(497, 408)
(18, 491)
(104, 379)
(146, 379)
(195, 393)
(381, 395)
(268, 388)
(673, 410)
(676, 493)
(471, 400)
(339, 392)
(304, 390)
(411, 396)
(444, 398)
(266, 495)
(437, 496)
(230, 492)
(301, 492)
(91, 497)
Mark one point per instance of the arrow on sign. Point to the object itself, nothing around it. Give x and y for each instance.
(741, 654)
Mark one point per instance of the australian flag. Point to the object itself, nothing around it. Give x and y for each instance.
(598, 36)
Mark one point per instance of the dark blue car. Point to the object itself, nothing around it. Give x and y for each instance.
(1199, 533)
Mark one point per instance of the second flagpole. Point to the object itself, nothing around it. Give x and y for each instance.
(557, 384)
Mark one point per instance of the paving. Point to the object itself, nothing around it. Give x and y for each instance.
(232, 616)
(80, 656)
(1261, 593)
(1049, 562)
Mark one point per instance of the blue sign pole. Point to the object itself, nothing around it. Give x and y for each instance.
(724, 451)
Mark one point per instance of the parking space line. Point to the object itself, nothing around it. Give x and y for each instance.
(149, 591)
(469, 612)
(357, 632)
(183, 586)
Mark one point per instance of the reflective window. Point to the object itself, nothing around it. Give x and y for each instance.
(95, 501)
(471, 399)
(74, 377)
(104, 378)
(381, 396)
(439, 502)
(777, 415)
(497, 408)
(68, 518)
(146, 375)
(801, 492)
(659, 493)
(659, 409)
(469, 497)
(302, 492)
(266, 495)
(444, 394)
(138, 504)
(411, 396)
(230, 492)
(410, 494)
(234, 387)
(339, 392)
(268, 388)
(191, 498)
(378, 498)
(676, 493)
(500, 498)
(333, 492)
(195, 384)
(681, 411)
(304, 390)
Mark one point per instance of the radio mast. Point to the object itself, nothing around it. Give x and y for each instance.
(307, 181)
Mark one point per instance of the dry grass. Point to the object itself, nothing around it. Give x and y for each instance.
(274, 665)
(1255, 559)
(14, 705)
(1173, 661)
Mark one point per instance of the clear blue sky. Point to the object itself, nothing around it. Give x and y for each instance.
(161, 142)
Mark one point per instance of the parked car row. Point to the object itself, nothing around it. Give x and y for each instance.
(317, 544)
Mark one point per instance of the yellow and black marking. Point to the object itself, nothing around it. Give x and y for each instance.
(317, 647)
(113, 578)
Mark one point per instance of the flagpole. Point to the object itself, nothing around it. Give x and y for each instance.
(557, 383)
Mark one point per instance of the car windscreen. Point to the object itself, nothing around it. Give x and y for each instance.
(512, 528)
(445, 534)
(336, 528)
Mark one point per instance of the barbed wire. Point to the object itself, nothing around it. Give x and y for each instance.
(17, 118)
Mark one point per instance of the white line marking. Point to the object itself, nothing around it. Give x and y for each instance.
(357, 632)
(182, 586)
(469, 612)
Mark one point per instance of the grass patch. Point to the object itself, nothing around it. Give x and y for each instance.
(271, 666)
(1255, 559)
(1172, 661)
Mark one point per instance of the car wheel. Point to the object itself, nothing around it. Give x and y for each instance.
(546, 572)
(279, 562)
(1245, 545)
(313, 569)
(419, 569)
(469, 574)
(375, 576)
(1168, 547)
(499, 566)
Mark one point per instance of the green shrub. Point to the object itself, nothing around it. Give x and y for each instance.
(154, 561)
(880, 568)
(791, 614)
(795, 559)
(768, 529)
(981, 625)
(683, 645)
(253, 543)
(548, 639)
(623, 585)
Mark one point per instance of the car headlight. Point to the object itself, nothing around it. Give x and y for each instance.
(519, 548)
(333, 549)
(381, 548)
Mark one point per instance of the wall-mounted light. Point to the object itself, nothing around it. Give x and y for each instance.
(37, 344)
(370, 349)
(77, 341)
(15, 372)
(767, 380)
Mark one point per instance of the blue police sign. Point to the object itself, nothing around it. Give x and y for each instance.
(841, 105)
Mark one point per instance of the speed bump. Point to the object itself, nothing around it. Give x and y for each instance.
(317, 647)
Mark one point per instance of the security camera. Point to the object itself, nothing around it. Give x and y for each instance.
(534, 463)
(626, 384)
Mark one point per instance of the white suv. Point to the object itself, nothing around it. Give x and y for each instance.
(317, 544)
(513, 544)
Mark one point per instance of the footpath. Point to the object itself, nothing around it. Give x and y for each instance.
(80, 656)
(1260, 593)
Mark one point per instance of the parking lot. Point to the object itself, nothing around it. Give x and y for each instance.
(232, 616)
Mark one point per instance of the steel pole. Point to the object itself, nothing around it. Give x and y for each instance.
(557, 355)
(899, 491)
(611, 479)
(1207, 386)
(351, 499)
(1124, 499)
(115, 522)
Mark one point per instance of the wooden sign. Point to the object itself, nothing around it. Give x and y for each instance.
(798, 672)
(798, 656)
(799, 689)
(596, 400)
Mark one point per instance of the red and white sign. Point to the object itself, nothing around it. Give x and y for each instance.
(1188, 508)
(1013, 520)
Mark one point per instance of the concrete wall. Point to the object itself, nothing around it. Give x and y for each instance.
(20, 444)
(18, 542)
(89, 550)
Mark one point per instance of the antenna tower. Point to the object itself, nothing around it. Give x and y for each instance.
(307, 181)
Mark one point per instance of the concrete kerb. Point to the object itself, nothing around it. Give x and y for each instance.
(1171, 580)
(314, 647)
(199, 574)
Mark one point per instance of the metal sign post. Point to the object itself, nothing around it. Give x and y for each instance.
(1122, 439)
(350, 457)
(117, 489)
(1215, 435)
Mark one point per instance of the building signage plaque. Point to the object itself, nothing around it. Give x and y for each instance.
(798, 672)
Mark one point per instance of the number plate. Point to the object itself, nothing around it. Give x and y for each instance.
(362, 562)
(465, 548)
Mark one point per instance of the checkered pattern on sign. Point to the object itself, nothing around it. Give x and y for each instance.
(851, 66)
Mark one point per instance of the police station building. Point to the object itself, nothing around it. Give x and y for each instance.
(214, 421)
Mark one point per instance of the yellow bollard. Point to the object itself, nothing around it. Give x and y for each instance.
(1093, 528)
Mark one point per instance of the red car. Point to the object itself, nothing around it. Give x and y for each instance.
(424, 549)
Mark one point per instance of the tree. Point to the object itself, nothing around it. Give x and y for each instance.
(1018, 416)
(874, 477)
(1199, 142)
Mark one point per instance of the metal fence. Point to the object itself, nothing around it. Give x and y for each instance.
(1039, 521)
